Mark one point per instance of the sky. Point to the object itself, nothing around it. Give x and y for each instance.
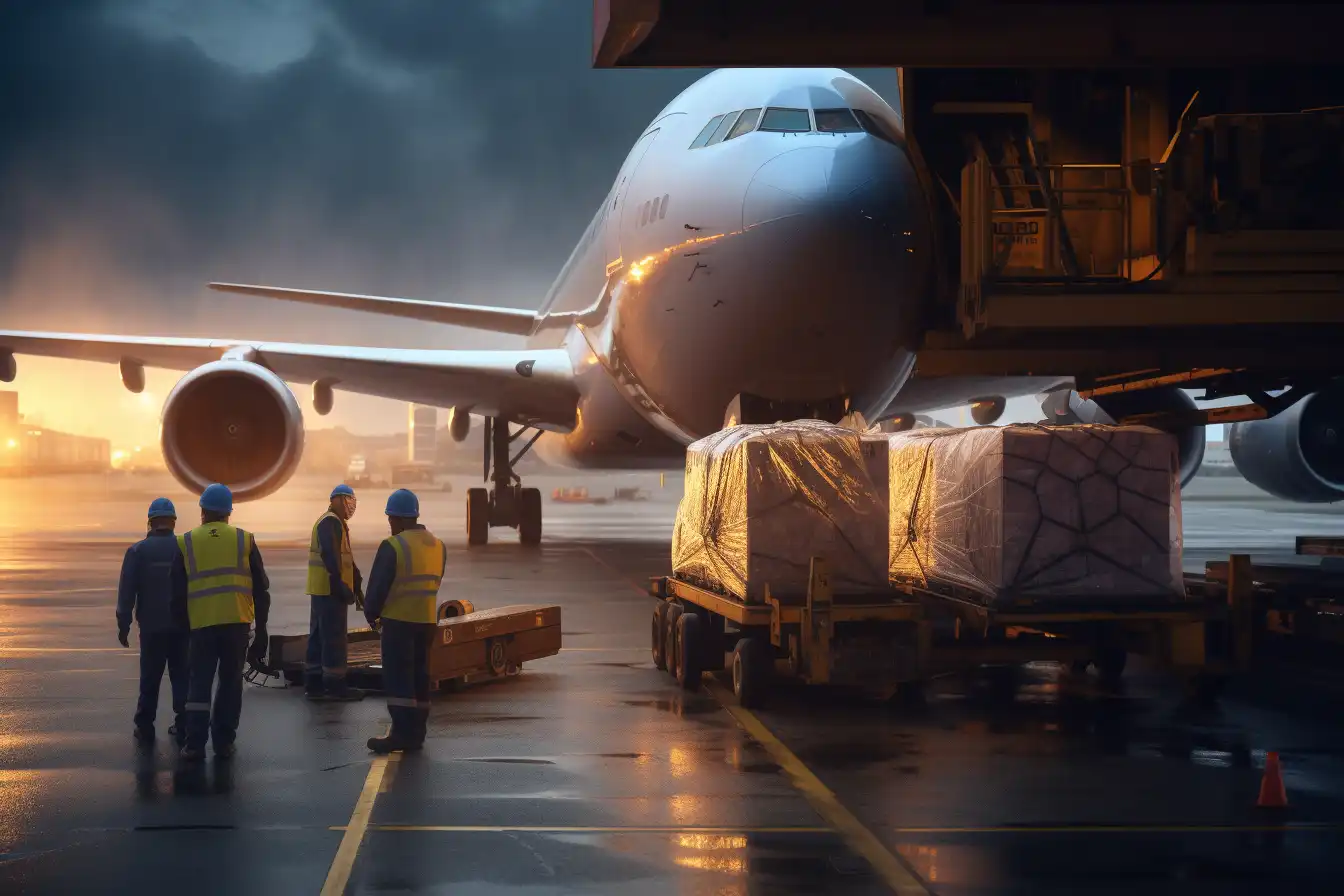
(441, 150)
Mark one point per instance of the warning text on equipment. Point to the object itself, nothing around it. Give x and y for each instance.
(1019, 243)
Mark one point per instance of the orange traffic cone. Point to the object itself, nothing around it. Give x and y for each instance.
(1272, 793)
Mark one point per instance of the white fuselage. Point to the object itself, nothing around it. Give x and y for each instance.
(789, 264)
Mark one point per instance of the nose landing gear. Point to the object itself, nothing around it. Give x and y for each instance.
(506, 502)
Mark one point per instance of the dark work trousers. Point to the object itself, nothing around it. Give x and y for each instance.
(222, 648)
(406, 677)
(159, 649)
(325, 666)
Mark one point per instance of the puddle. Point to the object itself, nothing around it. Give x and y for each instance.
(688, 707)
(488, 719)
(508, 760)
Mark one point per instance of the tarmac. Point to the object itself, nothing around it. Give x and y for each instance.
(591, 772)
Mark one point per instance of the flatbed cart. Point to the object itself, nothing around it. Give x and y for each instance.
(471, 645)
(868, 640)
(897, 640)
(1283, 602)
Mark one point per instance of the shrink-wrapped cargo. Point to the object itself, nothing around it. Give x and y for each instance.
(762, 500)
(1037, 512)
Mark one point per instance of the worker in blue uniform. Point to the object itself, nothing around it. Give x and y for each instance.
(334, 583)
(153, 589)
(227, 589)
(403, 593)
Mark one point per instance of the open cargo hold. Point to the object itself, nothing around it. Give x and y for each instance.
(762, 500)
(1030, 513)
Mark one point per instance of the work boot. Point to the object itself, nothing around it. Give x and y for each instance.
(192, 754)
(392, 742)
(226, 752)
(345, 695)
(178, 732)
(316, 696)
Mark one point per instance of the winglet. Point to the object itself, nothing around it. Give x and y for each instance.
(476, 317)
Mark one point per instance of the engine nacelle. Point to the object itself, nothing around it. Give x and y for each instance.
(1297, 455)
(233, 422)
(459, 424)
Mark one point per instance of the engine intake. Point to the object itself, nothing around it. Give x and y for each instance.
(233, 422)
(1297, 455)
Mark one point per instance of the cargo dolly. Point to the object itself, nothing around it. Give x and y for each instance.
(897, 640)
(470, 645)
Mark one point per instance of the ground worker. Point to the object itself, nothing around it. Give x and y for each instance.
(227, 589)
(333, 585)
(403, 594)
(154, 587)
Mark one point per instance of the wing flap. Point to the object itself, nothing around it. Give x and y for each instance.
(477, 317)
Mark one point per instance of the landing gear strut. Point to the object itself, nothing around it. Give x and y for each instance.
(506, 502)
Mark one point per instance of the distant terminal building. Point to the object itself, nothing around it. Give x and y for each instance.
(423, 435)
(27, 450)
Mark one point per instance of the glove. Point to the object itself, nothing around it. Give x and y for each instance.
(347, 595)
(359, 599)
(123, 635)
(257, 652)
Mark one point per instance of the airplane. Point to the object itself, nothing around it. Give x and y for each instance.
(764, 253)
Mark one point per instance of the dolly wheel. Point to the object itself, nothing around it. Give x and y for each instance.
(659, 642)
(670, 644)
(690, 650)
(751, 671)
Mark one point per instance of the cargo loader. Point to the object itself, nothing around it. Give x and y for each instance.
(470, 646)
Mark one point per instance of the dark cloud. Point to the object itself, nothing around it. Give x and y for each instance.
(442, 149)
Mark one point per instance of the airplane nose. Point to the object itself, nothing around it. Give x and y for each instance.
(853, 179)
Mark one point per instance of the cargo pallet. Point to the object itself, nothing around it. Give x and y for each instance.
(897, 640)
(470, 645)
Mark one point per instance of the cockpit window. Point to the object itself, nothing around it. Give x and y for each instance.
(873, 125)
(722, 130)
(836, 121)
(745, 124)
(792, 121)
(708, 132)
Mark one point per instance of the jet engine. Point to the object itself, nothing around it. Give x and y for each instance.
(1297, 455)
(459, 424)
(233, 422)
(1190, 440)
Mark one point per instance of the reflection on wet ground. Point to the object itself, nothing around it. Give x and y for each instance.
(592, 773)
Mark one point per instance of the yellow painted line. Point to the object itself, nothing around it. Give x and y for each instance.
(579, 829)
(902, 881)
(341, 866)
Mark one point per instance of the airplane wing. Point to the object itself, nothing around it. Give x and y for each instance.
(478, 317)
(528, 386)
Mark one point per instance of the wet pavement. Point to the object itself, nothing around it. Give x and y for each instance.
(592, 773)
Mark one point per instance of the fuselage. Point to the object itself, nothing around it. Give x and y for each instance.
(767, 235)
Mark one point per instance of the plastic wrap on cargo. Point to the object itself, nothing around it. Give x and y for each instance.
(1027, 511)
(762, 500)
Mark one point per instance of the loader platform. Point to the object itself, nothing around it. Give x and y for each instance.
(470, 645)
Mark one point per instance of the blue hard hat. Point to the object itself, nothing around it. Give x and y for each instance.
(217, 499)
(162, 507)
(342, 489)
(404, 503)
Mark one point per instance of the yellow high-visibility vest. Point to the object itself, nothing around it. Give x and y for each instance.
(219, 575)
(319, 581)
(420, 563)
